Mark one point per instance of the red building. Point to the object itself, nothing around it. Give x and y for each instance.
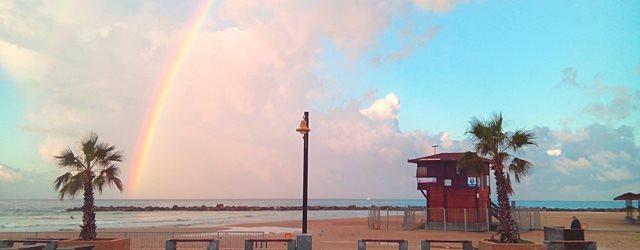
(463, 193)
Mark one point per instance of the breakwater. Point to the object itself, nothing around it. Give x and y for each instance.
(222, 207)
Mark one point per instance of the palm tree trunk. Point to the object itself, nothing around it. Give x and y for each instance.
(508, 233)
(88, 231)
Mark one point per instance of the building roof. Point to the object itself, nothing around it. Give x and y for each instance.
(627, 196)
(443, 157)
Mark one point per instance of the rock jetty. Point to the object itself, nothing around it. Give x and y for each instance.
(222, 207)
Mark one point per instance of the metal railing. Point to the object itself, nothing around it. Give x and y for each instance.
(461, 219)
(152, 240)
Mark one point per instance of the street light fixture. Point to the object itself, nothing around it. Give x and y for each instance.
(304, 130)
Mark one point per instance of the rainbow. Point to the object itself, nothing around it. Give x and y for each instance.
(172, 67)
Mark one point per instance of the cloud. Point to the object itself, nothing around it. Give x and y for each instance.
(9, 175)
(386, 108)
(566, 166)
(231, 112)
(22, 63)
(410, 42)
(596, 154)
(570, 75)
(554, 152)
(624, 103)
(437, 6)
(620, 102)
(229, 120)
(445, 140)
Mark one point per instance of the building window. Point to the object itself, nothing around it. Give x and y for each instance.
(457, 170)
(447, 182)
(427, 180)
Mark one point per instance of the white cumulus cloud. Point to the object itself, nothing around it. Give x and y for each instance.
(9, 175)
(386, 108)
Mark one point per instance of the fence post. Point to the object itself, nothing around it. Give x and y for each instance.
(486, 211)
(403, 245)
(464, 210)
(362, 245)
(425, 245)
(444, 218)
(248, 245)
(426, 217)
(369, 218)
(303, 241)
(170, 245)
(214, 245)
(387, 218)
(532, 225)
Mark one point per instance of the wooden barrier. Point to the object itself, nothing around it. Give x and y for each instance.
(214, 244)
(570, 244)
(561, 233)
(44, 244)
(81, 247)
(402, 244)
(426, 244)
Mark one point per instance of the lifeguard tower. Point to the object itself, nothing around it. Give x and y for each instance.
(456, 198)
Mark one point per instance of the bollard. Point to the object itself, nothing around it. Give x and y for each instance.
(403, 245)
(214, 245)
(362, 245)
(467, 245)
(425, 245)
(248, 245)
(6, 243)
(170, 245)
(303, 242)
(51, 245)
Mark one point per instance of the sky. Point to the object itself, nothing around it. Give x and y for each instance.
(210, 93)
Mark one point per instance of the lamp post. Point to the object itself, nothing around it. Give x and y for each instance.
(304, 130)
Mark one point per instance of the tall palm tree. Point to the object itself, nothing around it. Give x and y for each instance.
(94, 167)
(500, 147)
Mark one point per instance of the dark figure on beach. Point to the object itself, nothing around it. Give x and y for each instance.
(575, 224)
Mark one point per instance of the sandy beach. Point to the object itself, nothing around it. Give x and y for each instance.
(607, 228)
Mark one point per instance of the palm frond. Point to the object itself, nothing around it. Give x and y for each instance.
(521, 138)
(109, 176)
(470, 161)
(74, 185)
(67, 159)
(495, 123)
(62, 180)
(480, 135)
(98, 183)
(89, 146)
(519, 168)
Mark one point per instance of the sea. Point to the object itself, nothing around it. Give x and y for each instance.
(28, 215)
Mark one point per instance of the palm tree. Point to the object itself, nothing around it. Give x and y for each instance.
(500, 147)
(95, 167)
